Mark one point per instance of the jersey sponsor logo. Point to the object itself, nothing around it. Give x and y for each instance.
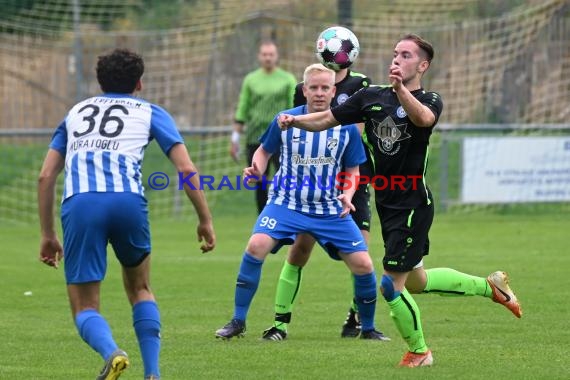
(125, 101)
(401, 113)
(297, 140)
(389, 135)
(331, 143)
(341, 98)
(375, 108)
(297, 159)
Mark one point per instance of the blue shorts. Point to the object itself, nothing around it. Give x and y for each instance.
(90, 221)
(333, 233)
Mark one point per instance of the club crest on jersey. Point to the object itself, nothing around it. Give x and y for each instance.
(401, 113)
(332, 143)
(389, 134)
(341, 98)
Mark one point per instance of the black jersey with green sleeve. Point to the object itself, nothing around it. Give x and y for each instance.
(399, 147)
(344, 89)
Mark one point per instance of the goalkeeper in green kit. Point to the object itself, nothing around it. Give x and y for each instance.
(264, 92)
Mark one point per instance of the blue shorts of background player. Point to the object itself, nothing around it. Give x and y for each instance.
(277, 226)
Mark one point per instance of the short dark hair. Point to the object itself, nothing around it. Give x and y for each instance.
(119, 71)
(424, 45)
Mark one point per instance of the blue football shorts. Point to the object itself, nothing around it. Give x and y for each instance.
(92, 220)
(333, 233)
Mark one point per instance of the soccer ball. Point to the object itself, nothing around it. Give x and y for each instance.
(337, 48)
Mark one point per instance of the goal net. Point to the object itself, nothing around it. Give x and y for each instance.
(507, 65)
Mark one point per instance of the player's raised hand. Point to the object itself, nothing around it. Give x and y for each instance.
(285, 121)
(396, 76)
(206, 235)
(347, 205)
(51, 251)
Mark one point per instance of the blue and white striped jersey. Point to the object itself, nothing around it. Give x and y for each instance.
(310, 163)
(103, 139)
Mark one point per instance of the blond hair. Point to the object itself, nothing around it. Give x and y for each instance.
(317, 68)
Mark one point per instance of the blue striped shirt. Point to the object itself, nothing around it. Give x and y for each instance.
(310, 163)
(103, 139)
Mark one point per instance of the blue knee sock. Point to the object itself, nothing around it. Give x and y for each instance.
(246, 285)
(95, 331)
(146, 321)
(365, 293)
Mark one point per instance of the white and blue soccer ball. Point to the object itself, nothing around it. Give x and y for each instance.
(337, 47)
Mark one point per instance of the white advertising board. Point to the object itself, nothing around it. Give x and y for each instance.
(515, 169)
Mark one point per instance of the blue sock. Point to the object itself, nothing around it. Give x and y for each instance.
(246, 285)
(365, 293)
(146, 321)
(95, 331)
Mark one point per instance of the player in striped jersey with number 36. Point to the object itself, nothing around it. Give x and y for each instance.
(101, 144)
(304, 199)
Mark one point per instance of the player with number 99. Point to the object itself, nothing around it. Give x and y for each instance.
(322, 212)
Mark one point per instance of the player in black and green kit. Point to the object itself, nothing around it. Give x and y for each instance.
(399, 120)
(264, 92)
(347, 82)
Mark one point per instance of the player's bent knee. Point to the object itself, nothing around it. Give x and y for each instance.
(259, 246)
(387, 288)
(360, 263)
(137, 292)
(414, 288)
(417, 280)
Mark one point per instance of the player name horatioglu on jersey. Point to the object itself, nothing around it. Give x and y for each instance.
(107, 144)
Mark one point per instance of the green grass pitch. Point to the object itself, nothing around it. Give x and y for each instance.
(471, 338)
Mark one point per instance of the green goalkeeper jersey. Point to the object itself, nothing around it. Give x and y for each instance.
(262, 96)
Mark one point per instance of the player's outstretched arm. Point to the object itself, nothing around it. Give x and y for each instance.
(51, 251)
(183, 164)
(312, 122)
(350, 175)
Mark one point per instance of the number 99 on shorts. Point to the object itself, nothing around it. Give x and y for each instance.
(268, 222)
